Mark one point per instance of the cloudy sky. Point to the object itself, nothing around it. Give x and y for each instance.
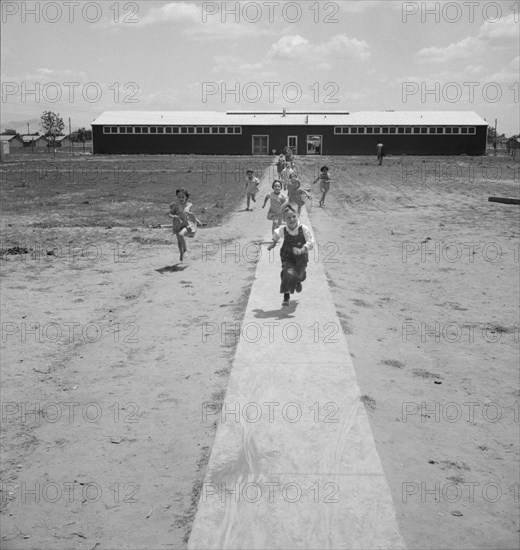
(82, 58)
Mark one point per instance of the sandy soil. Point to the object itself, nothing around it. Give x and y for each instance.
(116, 453)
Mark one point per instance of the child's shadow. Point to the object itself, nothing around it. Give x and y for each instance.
(285, 312)
(171, 268)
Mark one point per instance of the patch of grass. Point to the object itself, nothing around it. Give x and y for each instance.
(393, 363)
(423, 373)
(369, 402)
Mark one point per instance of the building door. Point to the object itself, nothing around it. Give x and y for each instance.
(314, 145)
(260, 145)
(292, 142)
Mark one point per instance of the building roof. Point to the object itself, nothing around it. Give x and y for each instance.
(28, 139)
(61, 138)
(8, 137)
(273, 118)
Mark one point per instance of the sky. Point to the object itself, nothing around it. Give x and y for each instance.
(80, 59)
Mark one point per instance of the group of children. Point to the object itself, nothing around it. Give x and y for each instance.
(286, 200)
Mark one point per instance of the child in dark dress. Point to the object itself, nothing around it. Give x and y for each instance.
(297, 241)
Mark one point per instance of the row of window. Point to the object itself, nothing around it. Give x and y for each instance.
(172, 130)
(219, 130)
(404, 130)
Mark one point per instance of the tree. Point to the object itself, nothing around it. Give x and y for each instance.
(9, 132)
(82, 136)
(53, 125)
(491, 134)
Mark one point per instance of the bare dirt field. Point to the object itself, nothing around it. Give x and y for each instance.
(105, 370)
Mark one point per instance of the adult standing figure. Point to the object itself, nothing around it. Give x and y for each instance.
(380, 152)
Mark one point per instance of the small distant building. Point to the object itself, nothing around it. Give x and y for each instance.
(36, 142)
(14, 142)
(62, 141)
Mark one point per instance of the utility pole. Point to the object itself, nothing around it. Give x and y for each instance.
(28, 131)
(70, 138)
(495, 140)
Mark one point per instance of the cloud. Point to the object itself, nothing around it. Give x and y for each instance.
(177, 12)
(505, 27)
(465, 48)
(297, 48)
(290, 48)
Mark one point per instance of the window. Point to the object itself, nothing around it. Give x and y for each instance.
(145, 129)
(160, 129)
(455, 130)
(184, 130)
(439, 130)
(168, 130)
(384, 130)
(191, 129)
(400, 130)
(361, 130)
(431, 130)
(370, 130)
(206, 130)
(175, 130)
(238, 129)
(113, 129)
(353, 130)
(137, 130)
(338, 130)
(447, 130)
(122, 129)
(153, 129)
(106, 130)
(221, 129)
(424, 130)
(198, 130)
(408, 130)
(214, 130)
(416, 130)
(472, 130)
(464, 130)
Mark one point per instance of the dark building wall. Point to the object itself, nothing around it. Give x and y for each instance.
(332, 144)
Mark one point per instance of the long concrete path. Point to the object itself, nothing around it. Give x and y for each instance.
(294, 463)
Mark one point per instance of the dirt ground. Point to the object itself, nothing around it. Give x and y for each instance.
(105, 368)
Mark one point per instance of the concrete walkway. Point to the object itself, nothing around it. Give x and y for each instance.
(294, 463)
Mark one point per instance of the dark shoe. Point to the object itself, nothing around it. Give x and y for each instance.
(286, 298)
(298, 287)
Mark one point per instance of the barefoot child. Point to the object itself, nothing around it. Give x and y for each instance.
(324, 178)
(184, 221)
(280, 165)
(251, 187)
(297, 241)
(297, 194)
(277, 200)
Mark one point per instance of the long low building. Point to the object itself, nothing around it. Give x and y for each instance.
(307, 133)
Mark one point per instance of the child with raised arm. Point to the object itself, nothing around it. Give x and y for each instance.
(251, 187)
(277, 199)
(184, 221)
(324, 178)
(297, 241)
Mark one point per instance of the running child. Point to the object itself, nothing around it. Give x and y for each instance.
(277, 199)
(280, 165)
(296, 194)
(286, 175)
(297, 241)
(251, 187)
(184, 221)
(324, 178)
